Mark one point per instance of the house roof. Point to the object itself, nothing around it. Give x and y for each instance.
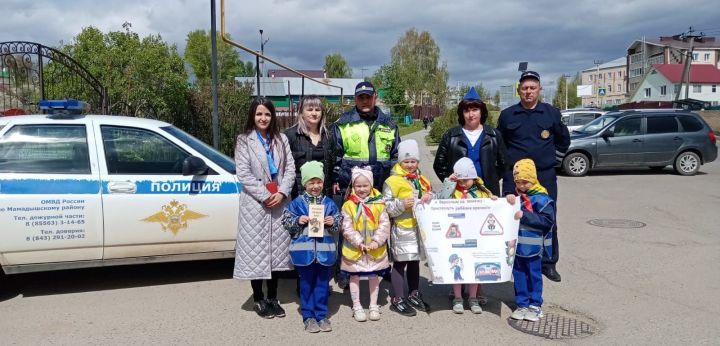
(707, 42)
(610, 64)
(287, 73)
(699, 73)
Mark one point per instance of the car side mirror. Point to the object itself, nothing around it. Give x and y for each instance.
(194, 165)
(608, 133)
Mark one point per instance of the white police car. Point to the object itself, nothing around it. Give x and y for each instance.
(93, 190)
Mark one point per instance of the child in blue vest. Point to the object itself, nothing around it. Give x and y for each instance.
(313, 257)
(534, 238)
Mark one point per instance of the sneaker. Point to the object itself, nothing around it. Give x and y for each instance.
(534, 314)
(263, 309)
(374, 312)
(311, 326)
(402, 307)
(359, 314)
(275, 308)
(325, 325)
(519, 313)
(416, 301)
(457, 306)
(475, 305)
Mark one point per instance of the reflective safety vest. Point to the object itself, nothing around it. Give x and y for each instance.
(304, 250)
(365, 227)
(356, 140)
(533, 242)
(401, 189)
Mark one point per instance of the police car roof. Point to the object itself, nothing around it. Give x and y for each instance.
(103, 119)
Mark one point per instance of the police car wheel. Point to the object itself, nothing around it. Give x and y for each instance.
(576, 164)
(687, 163)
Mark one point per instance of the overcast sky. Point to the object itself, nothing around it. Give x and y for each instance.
(481, 41)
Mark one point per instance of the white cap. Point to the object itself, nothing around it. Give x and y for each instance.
(407, 150)
(465, 169)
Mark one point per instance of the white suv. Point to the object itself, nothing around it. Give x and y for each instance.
(576, 118)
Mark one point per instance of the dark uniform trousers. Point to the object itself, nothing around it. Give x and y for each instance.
(547, 179)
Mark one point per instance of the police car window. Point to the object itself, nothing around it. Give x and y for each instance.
(48, 149)
(627, 127)
(138, 151)
(209, 152)
(666, 124)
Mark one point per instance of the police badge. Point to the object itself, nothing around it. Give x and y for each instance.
(545, 134)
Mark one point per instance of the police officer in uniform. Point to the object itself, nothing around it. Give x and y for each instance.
(364, 136)
(533, 129)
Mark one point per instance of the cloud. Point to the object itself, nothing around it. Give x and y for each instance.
(481, 42)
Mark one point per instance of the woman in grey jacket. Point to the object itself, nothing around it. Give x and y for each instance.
(266, 170)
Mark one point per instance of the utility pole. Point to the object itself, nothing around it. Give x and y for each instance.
(363, 72)
(213, 41)
(566, 89)
(597, 79)
(692, 37)
(261, 62)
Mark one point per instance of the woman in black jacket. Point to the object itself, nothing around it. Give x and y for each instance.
(309, 141)
(474, 140)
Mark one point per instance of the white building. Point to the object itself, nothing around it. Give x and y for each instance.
(663, 81)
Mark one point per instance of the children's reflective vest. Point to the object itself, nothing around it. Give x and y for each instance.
(533, 241)
(365, 226)
(305, 250)
(401, 189)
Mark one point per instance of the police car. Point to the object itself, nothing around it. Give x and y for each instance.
(92, 190)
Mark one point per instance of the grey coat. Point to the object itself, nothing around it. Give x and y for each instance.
(262, 242)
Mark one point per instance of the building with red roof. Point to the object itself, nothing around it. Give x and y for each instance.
(664, 80)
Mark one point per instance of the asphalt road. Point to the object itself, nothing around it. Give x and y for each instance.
(652, 285)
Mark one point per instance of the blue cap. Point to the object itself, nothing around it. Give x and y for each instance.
(364, 88)
(530, 74)
(471, 95)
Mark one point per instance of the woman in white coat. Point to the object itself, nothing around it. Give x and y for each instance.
(266, 170)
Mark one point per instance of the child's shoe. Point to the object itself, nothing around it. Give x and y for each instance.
(311, 326)
(359, 314)
(374, 312)
(325, 325)
(534, 314)
(457, 306)
(402, 307)
(519, 313)
(475, 305)
(416, 301)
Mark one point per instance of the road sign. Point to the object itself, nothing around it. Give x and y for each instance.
(601, 91)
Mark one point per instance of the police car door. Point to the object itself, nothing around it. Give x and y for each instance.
(150, 208)
(50, 208)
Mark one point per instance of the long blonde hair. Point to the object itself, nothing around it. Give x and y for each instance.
(310, 101)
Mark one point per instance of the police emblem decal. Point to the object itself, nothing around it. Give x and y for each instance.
(174, 217)
(545, 134)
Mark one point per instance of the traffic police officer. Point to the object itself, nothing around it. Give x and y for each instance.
(533, 129)
(364, 136)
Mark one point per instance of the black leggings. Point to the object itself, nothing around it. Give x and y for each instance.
(398, 277)
(272, 286)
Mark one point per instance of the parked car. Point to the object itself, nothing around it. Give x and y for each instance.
(647, 138)
(93, 190)
(577, 118)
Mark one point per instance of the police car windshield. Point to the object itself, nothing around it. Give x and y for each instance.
(598, 124)
(211, 153)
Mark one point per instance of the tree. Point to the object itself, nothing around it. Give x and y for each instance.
(496, 98)
(143, 76)
(336, 66)
(417, 58)
(572, 99)
(387, 78)
(198, 54)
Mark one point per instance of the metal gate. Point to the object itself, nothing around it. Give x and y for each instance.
(30, 72)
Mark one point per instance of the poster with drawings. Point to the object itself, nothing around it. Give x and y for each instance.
(469, 240)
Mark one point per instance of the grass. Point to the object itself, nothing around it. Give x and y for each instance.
(408, 129)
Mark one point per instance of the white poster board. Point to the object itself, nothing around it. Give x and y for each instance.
(469, 240)
(584, 90)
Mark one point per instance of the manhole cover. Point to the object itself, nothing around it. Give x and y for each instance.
(617, 223)
(557, 325)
